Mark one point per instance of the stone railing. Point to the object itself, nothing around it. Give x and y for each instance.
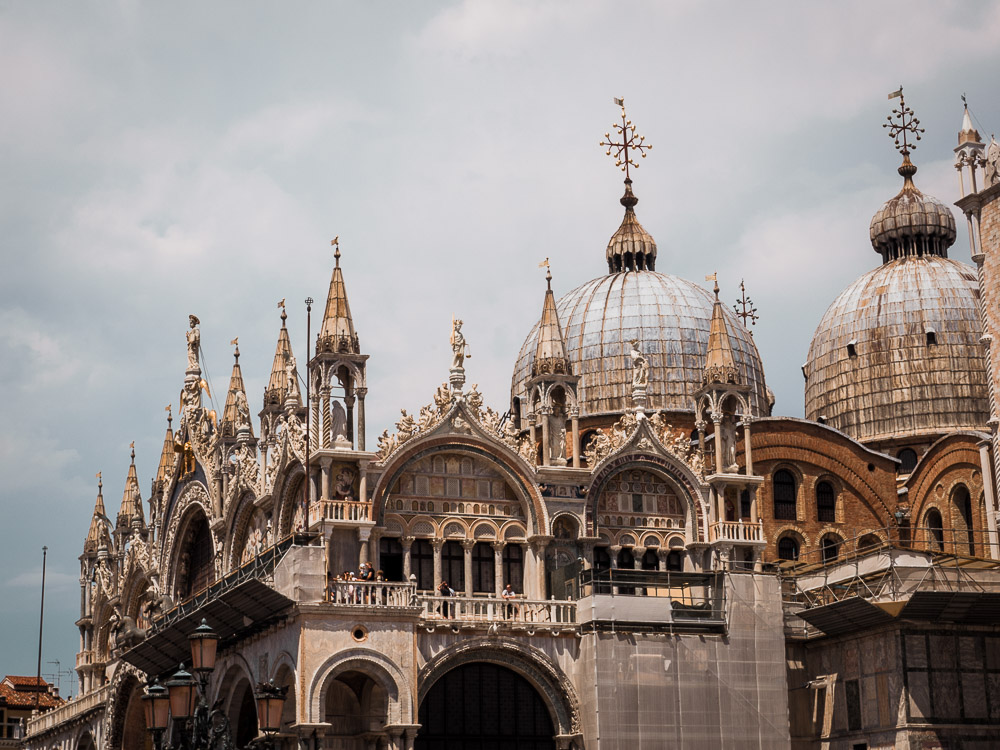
(372, 594)
(738, 531)
(65, 712)
(493, 609)
(350, 511)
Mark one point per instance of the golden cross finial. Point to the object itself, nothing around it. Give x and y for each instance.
(744, 307)
(630, 140)
(905, 123)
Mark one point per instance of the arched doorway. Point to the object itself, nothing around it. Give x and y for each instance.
(481, 706)
(133, 731)
(356, 706)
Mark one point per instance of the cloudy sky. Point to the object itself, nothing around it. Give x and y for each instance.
(166, 159)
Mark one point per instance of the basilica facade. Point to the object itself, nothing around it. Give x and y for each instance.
(687, 568)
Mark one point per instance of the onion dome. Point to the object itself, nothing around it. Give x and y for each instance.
(898, 353)
(911, 223)
(670, 316)
(631, 248)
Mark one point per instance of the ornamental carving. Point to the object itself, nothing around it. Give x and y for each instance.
(407, 428)
(605, 442)
(246, 474)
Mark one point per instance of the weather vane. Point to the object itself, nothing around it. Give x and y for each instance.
(744, 307)
(630, 141)
(905, 123)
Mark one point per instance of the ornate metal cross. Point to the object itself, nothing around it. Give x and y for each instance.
(630, 141)
(905, 123)
(744, 307)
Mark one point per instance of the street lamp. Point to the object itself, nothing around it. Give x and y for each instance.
(184, 700)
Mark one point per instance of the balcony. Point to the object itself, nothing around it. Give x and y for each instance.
(455, 611)
(78, 707)
(339, 512)
(738, 532)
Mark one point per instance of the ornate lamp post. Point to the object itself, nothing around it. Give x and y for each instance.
(184, 702)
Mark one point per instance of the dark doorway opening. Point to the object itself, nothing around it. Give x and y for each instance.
(484, 707)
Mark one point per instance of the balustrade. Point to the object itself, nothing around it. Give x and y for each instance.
(353, 511)
(738, 531)
(499, 610)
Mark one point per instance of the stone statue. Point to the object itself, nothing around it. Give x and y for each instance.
(406, 427)
(242, 410)
(442, 399)
(338, 430)
(292, 375)
(458, 346)
(992, 163)
(193, 342)
(640, 367)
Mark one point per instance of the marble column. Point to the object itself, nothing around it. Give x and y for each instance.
(499, 582)
(437, 544)
(407, 543)
(661, 554)
(746, 444)
(717, 442)
(364, 534)
(467, 545)
(539, 546)
(325, 479)
(362, 392)
(575, 427)
(327, 419)
(546, 448)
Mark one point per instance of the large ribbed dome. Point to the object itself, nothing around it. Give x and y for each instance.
(897, 354)
(668, 315)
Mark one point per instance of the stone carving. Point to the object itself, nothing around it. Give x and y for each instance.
(678, 443)
(246, 473)
(459, 347)
(386, 444)
(406, 427)
(193, 342)
(640, 367)
(993, 163)
(442, 399)
(242, 410)
(474, 398)
(292, 375)
(338, 429)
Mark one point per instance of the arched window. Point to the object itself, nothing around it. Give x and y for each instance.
(650, 560)
(907, 460)
(483, 568)
(826, 503)
(935, 530)
(422, 564)
(674, 561)
(829, 548)
(788, 548)
(197, 559)
(963, 503)
(453, 565)
(390, 558)
(602, 559)
(868, 542)
(745, 505)
(783, 488)
(513, 567)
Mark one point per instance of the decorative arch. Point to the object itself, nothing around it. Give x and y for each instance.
(195, 521)
(523, 486)
(193, 497)
(120, 719)
(290, 494)
(663, 466)
(531, 663)
(372, 664)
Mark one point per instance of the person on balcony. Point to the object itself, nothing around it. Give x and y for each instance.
(445, 590)
(510, 609)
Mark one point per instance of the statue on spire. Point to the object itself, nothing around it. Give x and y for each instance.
(193, 342)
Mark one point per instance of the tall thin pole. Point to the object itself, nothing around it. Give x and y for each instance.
(41, 621)
(305, 487)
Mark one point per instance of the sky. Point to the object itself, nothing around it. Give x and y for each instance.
(160, 160)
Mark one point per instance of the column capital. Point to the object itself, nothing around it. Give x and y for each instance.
(406, 541)
(498, 545)
(468, 544)
(361, 393)
(437, 544)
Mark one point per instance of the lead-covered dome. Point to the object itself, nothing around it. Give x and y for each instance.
(669, 316)
(897, 354)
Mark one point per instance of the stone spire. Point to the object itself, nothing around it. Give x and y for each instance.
(237, 411)
(98, 535)
(131, 508)
(277, 385)
(970, 153)
(167, 454)
(337, 333)
(550, 354)
(720, 364)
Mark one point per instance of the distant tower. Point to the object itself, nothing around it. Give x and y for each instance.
(736, 532)
(981, 206)
(552, 388)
